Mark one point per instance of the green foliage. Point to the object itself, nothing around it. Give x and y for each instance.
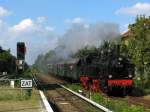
(139, 40)
(4, 56)
(116, 105)
(133, 109)
(138, 88)
(138, 91)
(93, 50)
(97, 98)
(74, 87)
(27, 73)
(7, 62)
(137, 48)
(85, 52)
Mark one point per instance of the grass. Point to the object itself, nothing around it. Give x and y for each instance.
(147, 91)
(115, 105)
(74, 87)
(14, 94)
(19, 101)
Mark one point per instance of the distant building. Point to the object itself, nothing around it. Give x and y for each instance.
(125, 36)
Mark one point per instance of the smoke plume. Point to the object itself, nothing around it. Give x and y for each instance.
(81, 35)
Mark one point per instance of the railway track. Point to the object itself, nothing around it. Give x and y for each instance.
(63, 100)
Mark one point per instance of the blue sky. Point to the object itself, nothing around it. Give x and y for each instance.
(22, 18)
(56, 11)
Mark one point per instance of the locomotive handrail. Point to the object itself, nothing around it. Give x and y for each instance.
(88, 100)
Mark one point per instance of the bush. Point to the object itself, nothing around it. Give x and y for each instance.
(138, 91)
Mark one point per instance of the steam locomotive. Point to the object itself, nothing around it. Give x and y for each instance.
(105, 70)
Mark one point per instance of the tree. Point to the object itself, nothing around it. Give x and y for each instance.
(7, 61)
(138, 42)
(85, 52)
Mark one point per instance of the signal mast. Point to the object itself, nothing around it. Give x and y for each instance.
(20, 61)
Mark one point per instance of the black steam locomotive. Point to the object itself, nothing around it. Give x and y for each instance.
(105, 70)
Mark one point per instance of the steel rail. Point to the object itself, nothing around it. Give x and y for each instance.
(86, 99)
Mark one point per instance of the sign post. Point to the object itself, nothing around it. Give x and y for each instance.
(27, 84)
(12, 84)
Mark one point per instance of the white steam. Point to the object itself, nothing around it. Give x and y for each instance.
(80, 36)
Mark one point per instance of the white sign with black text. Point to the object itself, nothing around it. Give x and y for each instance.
(26, 83)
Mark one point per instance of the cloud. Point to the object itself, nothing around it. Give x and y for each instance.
(138, 8)
(30, 26)
(76, 20)
(3, 12)
(86, 25)
(49, 28)
(23, 25)
(38, 37)
(40, 19)
(3, 25)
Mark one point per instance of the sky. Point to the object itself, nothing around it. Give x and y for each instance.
(40, 23)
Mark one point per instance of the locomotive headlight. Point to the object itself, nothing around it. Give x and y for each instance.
(130, 76)
(119, 63)
(110, 76)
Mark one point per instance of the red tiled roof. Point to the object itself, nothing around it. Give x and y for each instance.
(125, 35)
